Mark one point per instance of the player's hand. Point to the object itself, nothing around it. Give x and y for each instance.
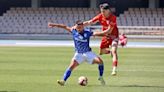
(50, 25)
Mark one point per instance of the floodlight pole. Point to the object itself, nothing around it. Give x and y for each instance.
(153, 4)
(35, 3)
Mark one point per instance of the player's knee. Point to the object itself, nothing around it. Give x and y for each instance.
(114, 52)
(114, 45)
(103, 51)
(73, 64)
(98, 61)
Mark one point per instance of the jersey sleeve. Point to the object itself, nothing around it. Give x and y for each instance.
(89, 31)
(72, 31)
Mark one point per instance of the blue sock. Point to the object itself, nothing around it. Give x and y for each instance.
(101, 69)
(67, 74)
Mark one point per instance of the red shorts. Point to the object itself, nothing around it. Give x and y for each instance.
(105, 43)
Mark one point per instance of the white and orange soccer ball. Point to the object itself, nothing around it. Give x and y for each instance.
(83, 81)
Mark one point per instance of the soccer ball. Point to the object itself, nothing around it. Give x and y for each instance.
(83, 81)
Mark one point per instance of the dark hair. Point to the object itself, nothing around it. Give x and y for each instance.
(79, 22)
(104, 6)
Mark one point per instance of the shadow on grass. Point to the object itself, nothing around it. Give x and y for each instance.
(126, 86)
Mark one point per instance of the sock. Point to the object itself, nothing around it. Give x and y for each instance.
(101, 69)
(67, 74)
(114, 69)
(114, 65)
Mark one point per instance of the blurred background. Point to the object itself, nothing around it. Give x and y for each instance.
(27, 19)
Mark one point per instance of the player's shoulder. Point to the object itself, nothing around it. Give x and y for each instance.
(87, 29)
(113, 16)
(73, 30)
(98, 15)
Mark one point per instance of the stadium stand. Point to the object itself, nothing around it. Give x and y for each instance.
(142, 17)
(34, 21)
(134, 21)
(142, 21)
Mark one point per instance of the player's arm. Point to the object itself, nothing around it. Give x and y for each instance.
(92, 21)
(103, 33)
(51, 25)
(111, 27)
(89, 22)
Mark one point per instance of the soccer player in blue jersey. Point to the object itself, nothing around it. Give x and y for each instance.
(83, 52)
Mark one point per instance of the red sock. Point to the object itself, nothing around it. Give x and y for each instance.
(115, 63)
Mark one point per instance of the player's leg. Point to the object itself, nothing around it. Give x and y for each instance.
(104, 51)
(68, 72)
(76, 60)
(92, 58)
(115, 56)
(104, 47)
(99, 61)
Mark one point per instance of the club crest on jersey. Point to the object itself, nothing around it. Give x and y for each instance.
(80, 37)
(85, 35)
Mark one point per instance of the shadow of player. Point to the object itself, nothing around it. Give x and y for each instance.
(126, 86)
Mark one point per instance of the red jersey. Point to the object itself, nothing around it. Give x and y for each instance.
(105, 22)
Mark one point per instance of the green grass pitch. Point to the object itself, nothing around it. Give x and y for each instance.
(36, 69)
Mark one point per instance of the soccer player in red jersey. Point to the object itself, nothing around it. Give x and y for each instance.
(106, 19)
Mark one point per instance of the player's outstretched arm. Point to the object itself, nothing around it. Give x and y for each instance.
(103, 33)
(87, 23)
(51, 25)
(92, 21)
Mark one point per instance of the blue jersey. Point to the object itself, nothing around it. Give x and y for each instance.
(81, 40)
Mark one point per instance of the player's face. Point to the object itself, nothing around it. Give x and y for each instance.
(105, 12)
(79, 28)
